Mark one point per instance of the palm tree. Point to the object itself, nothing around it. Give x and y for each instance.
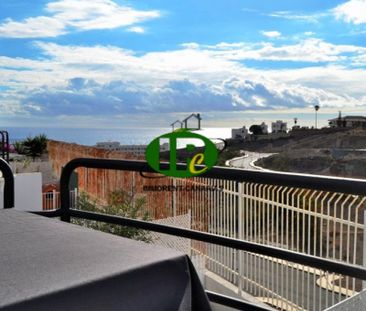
(34, 146)
(316, 107)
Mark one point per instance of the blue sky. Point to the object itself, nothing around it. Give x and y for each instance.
(104, 63)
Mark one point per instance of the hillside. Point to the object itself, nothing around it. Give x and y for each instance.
(334, 162)
(325, 152)
(325, 138)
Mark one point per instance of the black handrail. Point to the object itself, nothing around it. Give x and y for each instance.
(9, 184)
(316, 182)
(333, 184)
(5, 145)
(2, 145)
(313, 261)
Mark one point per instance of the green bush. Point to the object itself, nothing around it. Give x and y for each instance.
(19, 147)
(32, 146)
(120, 203)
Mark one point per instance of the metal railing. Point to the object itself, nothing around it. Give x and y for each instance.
(8, 176)
(355, 303)
(319, 223)
(52, 200)
(275, 222)
(5, 145)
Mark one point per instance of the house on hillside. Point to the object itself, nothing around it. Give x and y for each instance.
(279, 127)
(264, 127)
(239, 133)
(348, 122)
(138, 150)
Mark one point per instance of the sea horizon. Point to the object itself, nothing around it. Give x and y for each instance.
(90, 136)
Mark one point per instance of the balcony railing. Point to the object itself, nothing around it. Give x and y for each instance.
(281, 269)
(292, 241)
(52, 200)
(8, 176)
(4, 145)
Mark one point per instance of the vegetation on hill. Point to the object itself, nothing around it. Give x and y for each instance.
(120, 203)
(256, 129)
(335, 152)
(32, 146)
(334, 162)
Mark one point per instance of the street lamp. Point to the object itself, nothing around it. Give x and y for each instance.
(316, 107)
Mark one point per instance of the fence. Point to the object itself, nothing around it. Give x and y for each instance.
(354, 303)
(320, 223)
(325, 224)
(52, 200)
(322, 220)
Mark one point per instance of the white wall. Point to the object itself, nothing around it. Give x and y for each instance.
(28, 192)
(240, 132)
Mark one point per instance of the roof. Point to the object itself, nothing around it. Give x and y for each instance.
(178, 121)
(196, 115)
(349, 118)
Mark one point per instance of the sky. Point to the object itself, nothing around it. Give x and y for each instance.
(147, 63)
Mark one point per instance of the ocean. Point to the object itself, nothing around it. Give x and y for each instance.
(89, 137)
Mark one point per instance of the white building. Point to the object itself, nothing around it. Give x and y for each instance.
(279, 127)
(116, 146)
(108, 145)
(264, 128)
(134, 149)
(239, 133)
(348, 122)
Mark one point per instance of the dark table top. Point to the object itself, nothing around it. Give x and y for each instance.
(46, 264)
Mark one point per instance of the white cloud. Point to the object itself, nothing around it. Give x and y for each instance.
(271, 34)
(311, 50)
(335, 79)
(208, 78)
(353, 11)
(86, 97)
(97, 14)
(309, 33)
(33, 27)
(359, 60)
(81, 15)
(310, 18)
(136, 29)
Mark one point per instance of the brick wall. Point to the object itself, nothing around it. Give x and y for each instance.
(99, 183)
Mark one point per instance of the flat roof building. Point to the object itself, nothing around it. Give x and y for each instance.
(279, 127)
(239, 133)
(348, 122)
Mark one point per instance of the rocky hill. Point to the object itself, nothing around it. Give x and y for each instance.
(324, 152)
(334, 162)
(325, 138)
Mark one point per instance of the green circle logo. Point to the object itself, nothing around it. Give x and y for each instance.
(206, 157)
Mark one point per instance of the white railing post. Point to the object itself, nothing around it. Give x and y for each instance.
(54, 202)
(75, 197)
(240, 236)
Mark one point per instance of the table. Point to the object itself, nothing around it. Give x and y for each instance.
(46, 264)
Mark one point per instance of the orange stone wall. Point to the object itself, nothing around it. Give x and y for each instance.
(98, 183)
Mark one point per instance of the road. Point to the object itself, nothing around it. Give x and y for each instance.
(263, 277)
(247, 160)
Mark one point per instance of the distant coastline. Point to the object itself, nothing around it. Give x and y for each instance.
(90, 136)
